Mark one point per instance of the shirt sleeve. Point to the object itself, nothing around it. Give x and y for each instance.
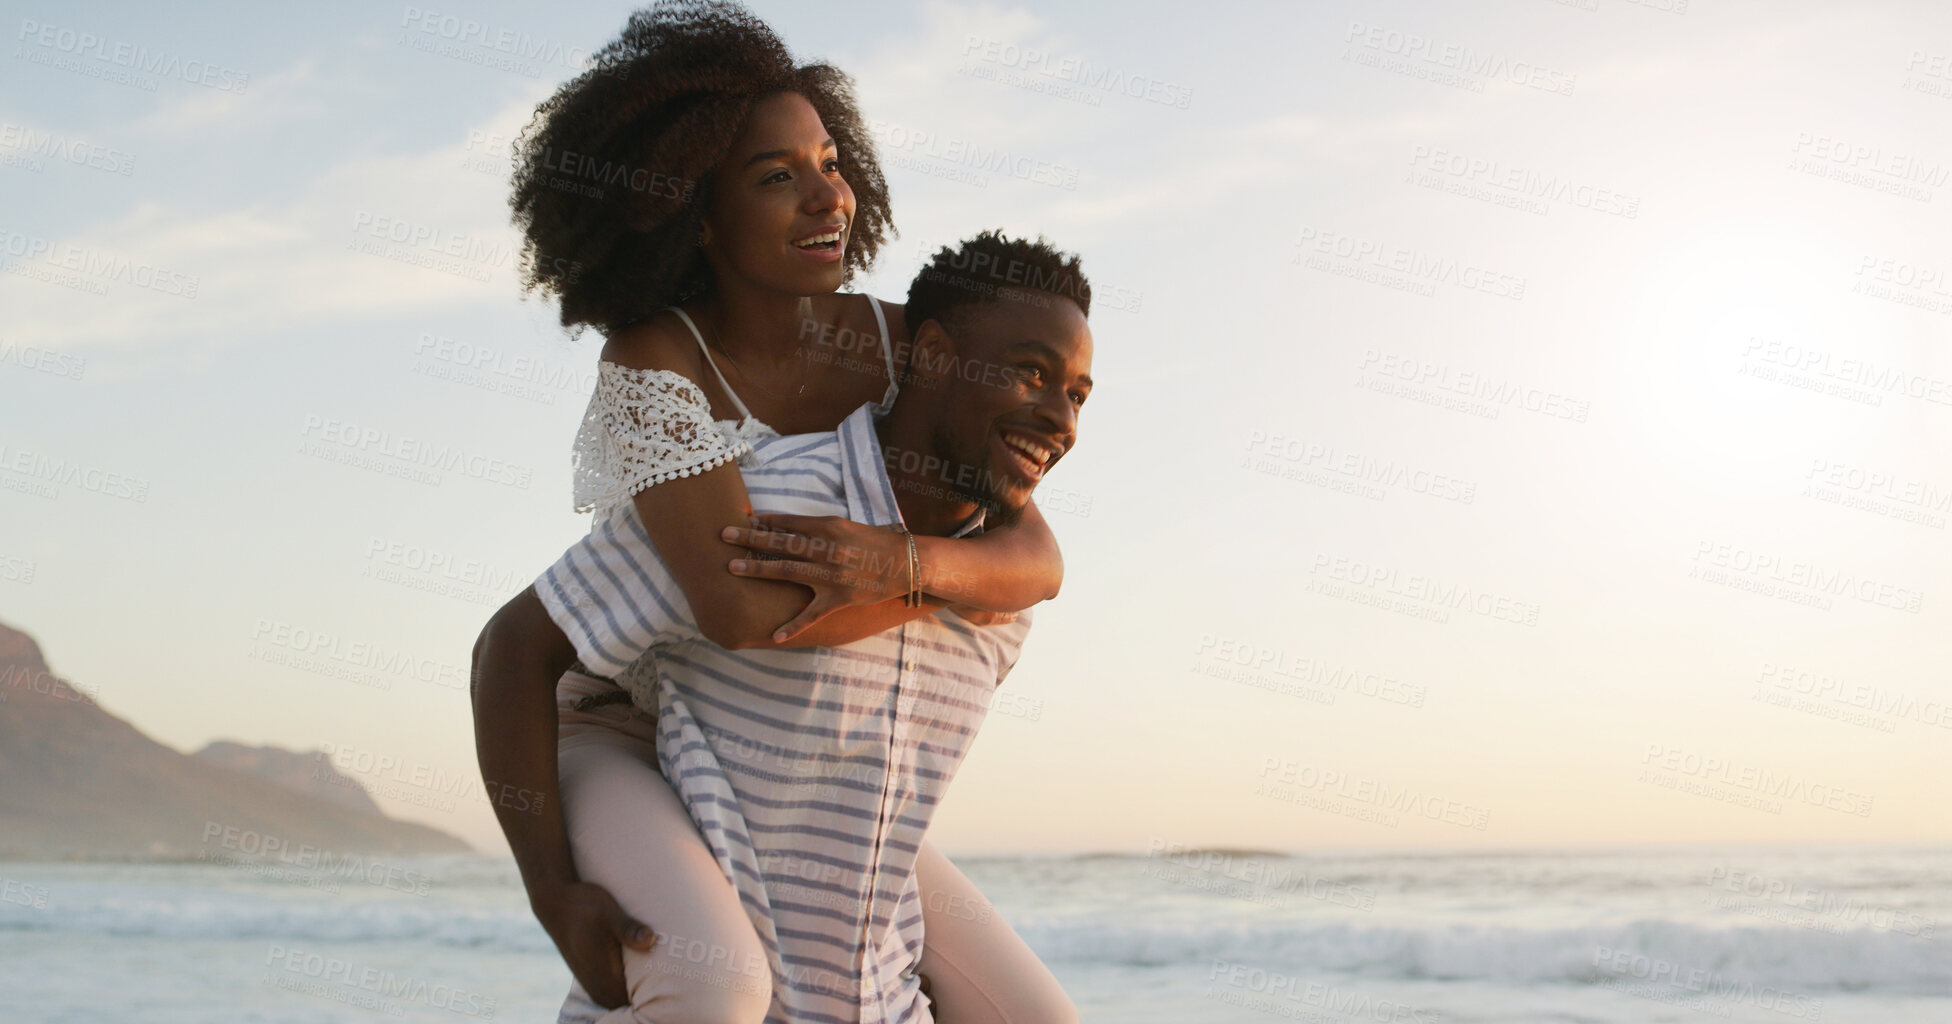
(1008, 639)
(613, 597)
(643, 427)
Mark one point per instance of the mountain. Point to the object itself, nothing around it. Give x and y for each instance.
(309, 773)
(81, 783)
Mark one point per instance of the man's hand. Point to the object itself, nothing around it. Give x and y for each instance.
(590, 930)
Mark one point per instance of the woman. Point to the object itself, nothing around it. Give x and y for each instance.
(696, 167)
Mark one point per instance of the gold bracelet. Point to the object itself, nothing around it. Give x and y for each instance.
(914, 599)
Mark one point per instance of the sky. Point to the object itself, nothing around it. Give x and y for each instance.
(1517, 424)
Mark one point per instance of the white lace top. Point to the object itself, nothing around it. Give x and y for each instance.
(644, 427)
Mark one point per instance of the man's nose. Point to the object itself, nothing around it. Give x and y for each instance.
(1057, 411)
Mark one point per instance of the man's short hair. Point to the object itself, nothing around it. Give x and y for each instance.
(989, 267)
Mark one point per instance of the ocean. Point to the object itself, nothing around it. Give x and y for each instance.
(1167, 935)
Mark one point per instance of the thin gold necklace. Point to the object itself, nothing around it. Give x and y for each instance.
(746, 376)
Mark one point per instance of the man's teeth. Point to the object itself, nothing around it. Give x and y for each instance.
(831, 236)
(1036, 454)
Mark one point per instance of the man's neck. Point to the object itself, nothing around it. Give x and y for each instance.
(923, 491)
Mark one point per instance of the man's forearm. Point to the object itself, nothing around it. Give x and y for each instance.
(515, 672)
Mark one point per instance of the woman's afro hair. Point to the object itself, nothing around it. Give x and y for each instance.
(613, 175)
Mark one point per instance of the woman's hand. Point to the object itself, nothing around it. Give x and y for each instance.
(843, 562)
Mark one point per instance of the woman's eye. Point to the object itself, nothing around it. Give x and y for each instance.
(773, 177)
(833, 165)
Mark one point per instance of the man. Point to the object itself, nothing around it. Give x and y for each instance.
(812, 773)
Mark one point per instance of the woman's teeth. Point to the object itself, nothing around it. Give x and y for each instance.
(828, 240)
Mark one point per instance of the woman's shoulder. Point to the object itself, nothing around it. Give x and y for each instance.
(658, 342)
(892, 311)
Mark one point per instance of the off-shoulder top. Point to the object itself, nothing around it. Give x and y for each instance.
(644, 427)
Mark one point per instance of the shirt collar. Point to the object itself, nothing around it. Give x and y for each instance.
(864, 474)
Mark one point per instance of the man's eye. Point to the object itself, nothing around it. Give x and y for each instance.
(1031, 376)
(1077, 399)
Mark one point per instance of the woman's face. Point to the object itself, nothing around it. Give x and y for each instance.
(780, 211)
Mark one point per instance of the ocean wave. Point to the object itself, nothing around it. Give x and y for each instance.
(1796, 958)
(203, 916)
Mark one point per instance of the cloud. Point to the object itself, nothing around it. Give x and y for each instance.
(371, 235)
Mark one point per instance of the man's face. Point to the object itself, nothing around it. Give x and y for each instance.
(1018, 376)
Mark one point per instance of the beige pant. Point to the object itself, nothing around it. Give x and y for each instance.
(630, 833)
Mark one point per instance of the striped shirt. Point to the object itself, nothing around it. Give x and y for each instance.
(812, 773)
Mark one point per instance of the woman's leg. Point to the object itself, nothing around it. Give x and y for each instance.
(630, 833)
(979, 970)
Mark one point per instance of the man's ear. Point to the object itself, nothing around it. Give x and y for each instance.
(932, 358)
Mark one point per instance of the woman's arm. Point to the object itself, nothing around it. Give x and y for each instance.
(1003, 570)
(850, 566)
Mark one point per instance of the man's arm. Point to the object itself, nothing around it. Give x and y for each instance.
(517, 660)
